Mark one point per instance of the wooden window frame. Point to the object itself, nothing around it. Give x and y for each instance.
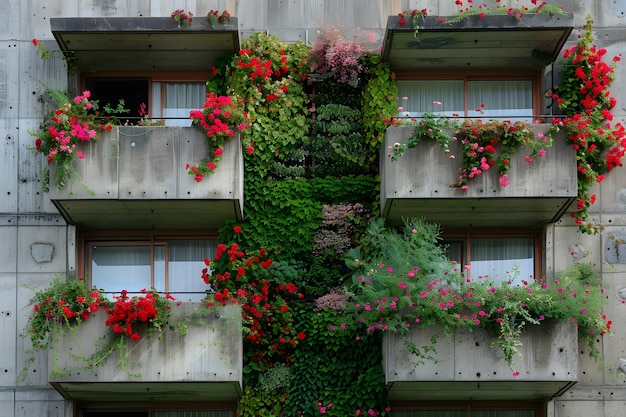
(132, 238)
(152, 76)
(480, 75)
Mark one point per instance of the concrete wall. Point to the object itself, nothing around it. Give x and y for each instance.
(27, 217)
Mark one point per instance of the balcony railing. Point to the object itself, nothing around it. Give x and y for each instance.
(468, 367)
(135, 177)
(203, 364)
(419, 184)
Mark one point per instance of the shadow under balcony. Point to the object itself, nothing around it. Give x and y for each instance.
(205, 364)
(135, 178)
(420, 184)
(469, 368)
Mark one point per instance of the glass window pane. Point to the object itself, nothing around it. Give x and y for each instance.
(159, 268)
(502, 99)
(180, 98)
(186, 261)
(116, 268)
(429, 413)
(502, 259)
(503, 413)
(423, 96)
(192, 413)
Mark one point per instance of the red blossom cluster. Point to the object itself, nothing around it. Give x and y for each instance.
(128, 311)
(219, 118)
(237, 277)
(585, 97)
(180, 17)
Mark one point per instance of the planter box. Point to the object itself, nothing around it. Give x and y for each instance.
(205, 364)
(469, 367)
(419, 185)
(135, 177)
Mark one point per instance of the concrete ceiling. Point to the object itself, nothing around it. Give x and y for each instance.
(495, 41)
(143, 43)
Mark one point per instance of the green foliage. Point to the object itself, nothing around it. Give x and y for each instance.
(261, 403)
(335, 370)
(403, 280)
(378, 104)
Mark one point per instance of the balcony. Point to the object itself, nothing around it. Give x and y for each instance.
(419, 185)
(203, 365)
(470, 369)
(135, 178)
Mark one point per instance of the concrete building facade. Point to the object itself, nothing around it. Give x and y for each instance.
(38, 244)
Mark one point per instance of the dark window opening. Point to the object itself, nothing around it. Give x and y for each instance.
(109, 90)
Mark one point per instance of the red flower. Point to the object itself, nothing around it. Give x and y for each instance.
(237, 229)
(35, 42)
(301, 336)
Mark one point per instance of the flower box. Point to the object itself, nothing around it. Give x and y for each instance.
(467, 367)
(420, 184)
(203, 364)
(136, 177)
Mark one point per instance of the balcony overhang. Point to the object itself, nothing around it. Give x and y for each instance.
(143, 43)
(495, 41)
(419, 183)
(469, 368)
(135, 178)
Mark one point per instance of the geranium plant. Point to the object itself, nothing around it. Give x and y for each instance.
(219, 118)
(127, 313)
(63, 305)
(180, 17)
(75, 121)
(214, 17)
(584, 96)
(403, 280)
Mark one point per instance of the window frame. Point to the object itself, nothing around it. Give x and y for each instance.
(467, 234)
(152, 77)
(148, 407)
(466, 75)
(479, 405)
(134, 238)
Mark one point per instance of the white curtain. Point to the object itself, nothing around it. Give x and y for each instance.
(499, 259)
(179, 99)
(505, 99)
(115, 268)
(424, 96)
(185, 264)
(502, 99)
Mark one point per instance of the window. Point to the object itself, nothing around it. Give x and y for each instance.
(497, 257)
(476, 409)
(168, 97)
(166, 264)
(455, 95)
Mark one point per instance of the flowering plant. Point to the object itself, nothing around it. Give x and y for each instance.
(65, 303)
(75, 121)
(219, 118)
(404, 280)
(214, 17)
(332, 56)
(128, 312)
(180, 17)
(268, 322)
(585, 97)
